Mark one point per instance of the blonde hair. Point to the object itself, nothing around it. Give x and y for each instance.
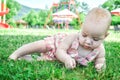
(98, 16)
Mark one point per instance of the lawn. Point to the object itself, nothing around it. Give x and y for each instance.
(11, 39)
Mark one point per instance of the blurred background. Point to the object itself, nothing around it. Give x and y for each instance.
(48, 14)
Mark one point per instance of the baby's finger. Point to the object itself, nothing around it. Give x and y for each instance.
(73, 63)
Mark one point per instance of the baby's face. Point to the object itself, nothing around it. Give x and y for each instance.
(95, 27)
(90, 40)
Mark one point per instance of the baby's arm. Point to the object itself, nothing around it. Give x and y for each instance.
(100, 62)
(61, 52)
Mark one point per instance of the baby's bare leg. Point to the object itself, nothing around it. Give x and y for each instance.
(37, 46)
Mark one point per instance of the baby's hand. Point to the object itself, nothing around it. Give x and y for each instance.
(100, 66)
(70, 63)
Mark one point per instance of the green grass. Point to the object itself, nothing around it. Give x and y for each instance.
(11, 39)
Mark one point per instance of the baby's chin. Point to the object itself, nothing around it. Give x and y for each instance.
(94, 47)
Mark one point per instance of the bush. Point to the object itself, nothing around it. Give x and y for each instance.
(12, 23)
(115, 20)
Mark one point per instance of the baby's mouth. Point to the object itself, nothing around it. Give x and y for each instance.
(86, 47)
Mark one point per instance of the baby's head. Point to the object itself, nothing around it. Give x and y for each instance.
(95, 27)
(97, 21)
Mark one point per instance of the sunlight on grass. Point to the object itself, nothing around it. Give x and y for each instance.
(113, 36)
(35, 32)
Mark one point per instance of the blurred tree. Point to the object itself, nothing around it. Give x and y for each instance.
(115, 20)
(84, 7)
(42, 14)
(31, 18)
(35, 18)
(14, 7)
(111, 5)
(78, 5)
(75, 23)
(12, 22)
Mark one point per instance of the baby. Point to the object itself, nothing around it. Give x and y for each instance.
(81, 47)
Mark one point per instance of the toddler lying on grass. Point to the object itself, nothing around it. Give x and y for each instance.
(80, 47)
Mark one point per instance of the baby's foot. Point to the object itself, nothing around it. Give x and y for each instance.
(13, 57)
(70, 63)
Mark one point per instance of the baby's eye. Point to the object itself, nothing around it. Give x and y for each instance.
(95, 39)
(84, 35)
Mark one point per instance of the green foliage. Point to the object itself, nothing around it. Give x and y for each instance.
(115, 20)
(11, 39)
(35, 18)
(42, 17)
(111, 4)
(82, 17)
(84, 6)
(12, 23)
(76, 24)
(31, 18)
(14, 7)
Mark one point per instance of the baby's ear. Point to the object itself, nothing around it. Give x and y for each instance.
(106, 35)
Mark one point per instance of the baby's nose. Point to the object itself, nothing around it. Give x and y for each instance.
(88, 41)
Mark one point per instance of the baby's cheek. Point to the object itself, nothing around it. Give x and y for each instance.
(81, 41)
(96, 44)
